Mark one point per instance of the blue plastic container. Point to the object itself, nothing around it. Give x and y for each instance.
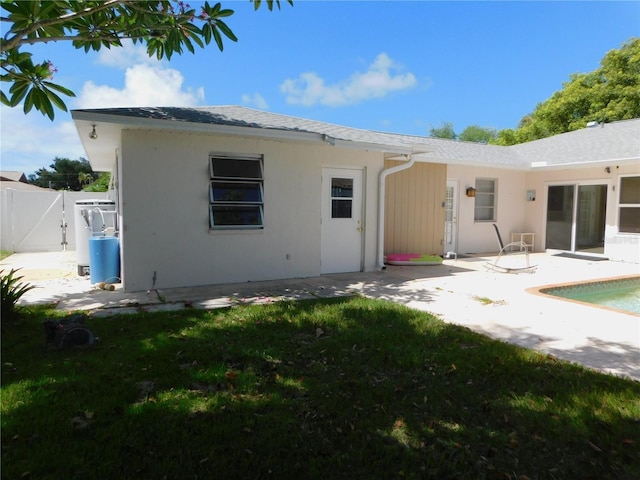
(104, 259)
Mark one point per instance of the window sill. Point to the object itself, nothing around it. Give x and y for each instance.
(236, 231)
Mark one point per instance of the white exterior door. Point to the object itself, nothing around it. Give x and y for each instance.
(451, 217)
(342, 226)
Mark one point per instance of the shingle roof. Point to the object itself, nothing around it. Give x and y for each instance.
(13, 176)
(617, 140)
(604, 142)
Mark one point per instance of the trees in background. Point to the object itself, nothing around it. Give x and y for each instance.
(476, 133)
(445, 130)
(609, 93)
(65, 174)
(101, 184)
(473, 133)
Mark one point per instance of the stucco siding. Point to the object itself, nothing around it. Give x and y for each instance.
(479, 236)
(618, 246)
(165, 198)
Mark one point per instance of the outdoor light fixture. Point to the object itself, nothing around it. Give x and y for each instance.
(93, 135)
(328, 139)
(471, 192)
(607, 169)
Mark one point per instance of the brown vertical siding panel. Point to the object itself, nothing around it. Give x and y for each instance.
(439, 206)
(414, 217)
(390, 210)
(438, 187)
(427, 217)
(416, 233)
(434, 226)
(408, 214)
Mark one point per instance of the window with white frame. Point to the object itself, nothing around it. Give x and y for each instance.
(485, 200)
(629, 205)
(236, 199)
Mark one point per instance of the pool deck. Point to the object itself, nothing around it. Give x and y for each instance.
(461, 291)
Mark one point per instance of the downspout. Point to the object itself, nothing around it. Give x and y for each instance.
(381, 205)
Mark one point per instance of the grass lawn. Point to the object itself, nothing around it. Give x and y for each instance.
(344, 388)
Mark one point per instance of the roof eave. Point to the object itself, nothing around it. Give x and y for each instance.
(543, 165)
(137, 123)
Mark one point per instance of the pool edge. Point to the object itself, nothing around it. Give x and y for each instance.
(538, 291)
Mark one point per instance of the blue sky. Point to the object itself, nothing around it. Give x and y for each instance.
(394, 66)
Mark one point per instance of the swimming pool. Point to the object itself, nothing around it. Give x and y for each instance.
(620, 294)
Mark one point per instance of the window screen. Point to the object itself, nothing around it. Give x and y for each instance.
(236, 192)
(629, 206)
(485, 200)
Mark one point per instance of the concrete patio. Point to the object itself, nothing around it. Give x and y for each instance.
(460, 291)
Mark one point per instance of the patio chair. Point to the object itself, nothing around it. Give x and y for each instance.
(500, 265)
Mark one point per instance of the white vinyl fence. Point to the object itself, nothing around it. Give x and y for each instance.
(39, 221)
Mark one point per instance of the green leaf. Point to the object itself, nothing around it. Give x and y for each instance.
(206, 33)
(225, 13)
(18, 90)
(189, 45)
(55, 99)
(227, 31)
(194, 33)
(60, 88)
(11, 290)
(218, 39)
(43, 104)
(165, 27)
(29, 101)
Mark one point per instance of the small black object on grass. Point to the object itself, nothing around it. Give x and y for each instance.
(69, 333)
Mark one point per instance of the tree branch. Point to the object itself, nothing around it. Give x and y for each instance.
(22, 37)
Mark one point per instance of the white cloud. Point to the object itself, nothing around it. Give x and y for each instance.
(125, 56)
(255, 100)
(30, 142)
(378, 81)
(147, 82)
(144, 85)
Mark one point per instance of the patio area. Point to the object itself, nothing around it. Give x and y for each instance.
(460, 291)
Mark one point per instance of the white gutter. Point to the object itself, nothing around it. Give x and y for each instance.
(381, 205)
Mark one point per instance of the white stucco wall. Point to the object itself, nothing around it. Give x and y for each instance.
(618, 246)
(480, 237)
(164, 190)
(516, 213)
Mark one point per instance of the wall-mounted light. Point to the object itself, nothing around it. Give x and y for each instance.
(329, 139)
(471, 192)
(93, 134)
(607, 169)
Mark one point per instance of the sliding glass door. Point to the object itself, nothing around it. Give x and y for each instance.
(560, 217)
(576, 218)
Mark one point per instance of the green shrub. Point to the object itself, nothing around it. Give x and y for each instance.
(12, 291)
